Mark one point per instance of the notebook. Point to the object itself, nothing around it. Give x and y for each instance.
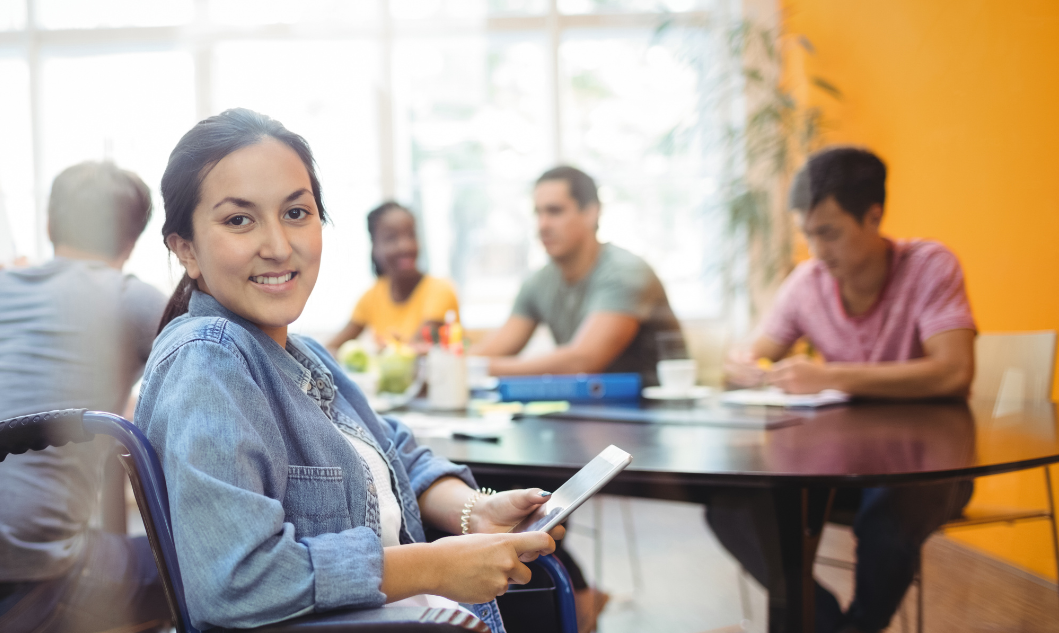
(711, 416)
(773, 397)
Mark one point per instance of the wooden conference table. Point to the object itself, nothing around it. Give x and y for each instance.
(856, 445)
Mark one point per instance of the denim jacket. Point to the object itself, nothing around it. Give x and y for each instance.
(274, 513)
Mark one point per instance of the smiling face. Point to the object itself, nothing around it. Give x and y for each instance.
(394, 245)
(837, 239)
(562, 224)
(257, 236)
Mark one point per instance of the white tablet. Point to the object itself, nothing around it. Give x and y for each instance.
(585, 483)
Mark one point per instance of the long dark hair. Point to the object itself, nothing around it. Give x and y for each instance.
(195, 155)
(373, 224)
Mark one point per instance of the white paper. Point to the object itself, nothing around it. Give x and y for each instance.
(774, 397)
(424, 425)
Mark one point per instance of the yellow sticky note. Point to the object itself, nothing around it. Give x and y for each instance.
(544, 407)
(764, 363)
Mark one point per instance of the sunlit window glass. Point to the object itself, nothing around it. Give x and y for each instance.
(452, 106)
(630, 6)
(79, 14)
(475, 136)
(12, 14)
(452, 9)
(361, 13)
(325, 91)
(626, 101)
(20, 229)
(518, 7)
(130, 108)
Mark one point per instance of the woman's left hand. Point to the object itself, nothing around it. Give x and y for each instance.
(500, 512)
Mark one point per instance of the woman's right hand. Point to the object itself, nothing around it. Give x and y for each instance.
(476, 568)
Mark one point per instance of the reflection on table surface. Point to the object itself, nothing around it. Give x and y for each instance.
(855, 443)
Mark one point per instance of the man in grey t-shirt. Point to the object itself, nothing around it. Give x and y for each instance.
(75, 333)
(604, 305)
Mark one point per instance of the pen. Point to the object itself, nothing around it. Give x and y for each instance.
(493, 439)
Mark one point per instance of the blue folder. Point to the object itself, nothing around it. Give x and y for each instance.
(574, 388)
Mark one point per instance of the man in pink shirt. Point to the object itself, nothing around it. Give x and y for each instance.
(891, 319)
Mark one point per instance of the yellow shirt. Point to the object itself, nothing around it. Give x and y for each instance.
(430, 300)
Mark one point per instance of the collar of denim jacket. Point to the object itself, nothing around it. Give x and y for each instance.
(204, 305)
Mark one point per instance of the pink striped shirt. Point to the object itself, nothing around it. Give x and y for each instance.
(923, 296)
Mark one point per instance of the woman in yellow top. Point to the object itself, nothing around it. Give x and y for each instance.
(403, 299)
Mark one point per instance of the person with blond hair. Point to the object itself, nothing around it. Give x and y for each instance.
(75, 332)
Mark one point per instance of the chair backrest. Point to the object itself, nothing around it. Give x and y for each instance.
(1014, 368)
(152, 497)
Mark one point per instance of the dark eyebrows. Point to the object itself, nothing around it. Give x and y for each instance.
(246, 204)
(297, 194)
(239, 202)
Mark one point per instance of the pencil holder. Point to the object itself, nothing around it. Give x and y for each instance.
(447, 379)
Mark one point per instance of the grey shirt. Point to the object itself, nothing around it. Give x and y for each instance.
(73, 334)
(619, 282)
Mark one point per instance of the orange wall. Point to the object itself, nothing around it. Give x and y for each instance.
(961, 99)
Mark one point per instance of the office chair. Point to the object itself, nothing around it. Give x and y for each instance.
(1015, 370)
(56, 428)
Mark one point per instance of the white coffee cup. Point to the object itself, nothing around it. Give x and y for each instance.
(676, 374)
(478, 372)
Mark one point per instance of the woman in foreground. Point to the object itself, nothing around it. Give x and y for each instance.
(289, 495)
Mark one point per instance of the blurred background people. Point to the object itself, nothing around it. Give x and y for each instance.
(75, 333)
(403, 299)
(603, 305)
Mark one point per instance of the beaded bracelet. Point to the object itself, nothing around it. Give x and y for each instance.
(465, 515)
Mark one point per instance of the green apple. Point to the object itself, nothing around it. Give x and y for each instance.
(397, 368)
(353, 356)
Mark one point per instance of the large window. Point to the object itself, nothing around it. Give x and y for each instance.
(451, 106)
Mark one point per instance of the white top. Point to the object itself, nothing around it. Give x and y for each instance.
(390, 518)
(389, 508)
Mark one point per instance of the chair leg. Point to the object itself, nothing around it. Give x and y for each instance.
(1051, 516)
(918, 582)
(597, 526)
(744, 596)
(630, 541)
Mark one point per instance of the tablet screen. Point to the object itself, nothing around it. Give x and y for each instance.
(585, 483)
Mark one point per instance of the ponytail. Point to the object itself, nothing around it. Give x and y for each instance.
(178, 303)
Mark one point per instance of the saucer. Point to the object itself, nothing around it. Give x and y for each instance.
(663, 393)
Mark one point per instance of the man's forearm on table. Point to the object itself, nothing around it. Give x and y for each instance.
(920, 378)
(564, 360)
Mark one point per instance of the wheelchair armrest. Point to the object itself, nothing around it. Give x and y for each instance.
(384, 620)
